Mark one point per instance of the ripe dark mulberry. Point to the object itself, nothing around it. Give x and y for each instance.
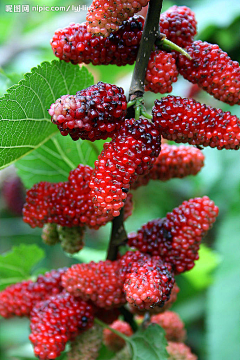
(186, 120)
(212, 70)
(173, 162)
(66, 203)
(92, 114)
(149, 284)
(132, 152)
(161, 72)
(104, 18)
(75, 44)
(57, 320)
(20, 298)
(179, 25)
(172, 324)
(177, 237)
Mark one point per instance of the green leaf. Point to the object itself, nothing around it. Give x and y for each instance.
(149, 344)
(201, 275)
(105, 353)
(53, 160)
(223, 310)
(24, 120)
(16, 265)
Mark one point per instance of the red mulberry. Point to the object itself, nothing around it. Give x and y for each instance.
(113, 341)
(173, 162)
(172, 324)
(131, 153)
(57, 320)
(148, 284)
(179, 25)
(93, 113)
(161, 72)
(186, 120)
(100, 282)
(75, 44)
(105, 17)
(179, 351)
(177, 237)
(66, 203)
(213, 70)
(20, 298)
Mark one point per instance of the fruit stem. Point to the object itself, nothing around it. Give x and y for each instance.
(118, 236)
(169, 45)
(131, 103)
(146, 115)
(150, 33)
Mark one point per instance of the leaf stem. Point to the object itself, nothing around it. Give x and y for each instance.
(165, 43)
(150, 33)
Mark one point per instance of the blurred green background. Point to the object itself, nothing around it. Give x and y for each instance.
(209, 298)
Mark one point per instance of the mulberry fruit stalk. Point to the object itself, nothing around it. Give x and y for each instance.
(186, 120)
(161, 72)
(131, 153)
(177, 237)
(179, 25)
(212, 70)
(78, 46)
(57, 320)
(173, 162)
(19, 299)
(92, 114)
(105, 17)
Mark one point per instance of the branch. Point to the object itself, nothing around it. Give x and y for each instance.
(118, 236)
(150, 34)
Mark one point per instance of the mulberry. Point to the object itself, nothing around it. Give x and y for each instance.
(113, 341)
(161, 72)
(177, 237)
(92, 114)
(173, 162)
(105, 17)
(71, 238)
(212, 70)
(186, 120)
(172, 324)
(131, 153)
(50, 234)
(75, 44)
(20, 298)
(57, 320)
(149, 284)
(179, 25)
(179, 351)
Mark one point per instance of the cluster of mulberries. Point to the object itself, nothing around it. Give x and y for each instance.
(177, 237)
(103, 17)
(92, 114)
(173, 162)
(212, 70)
(186, 120)
(75, 44)
(131, 153)
(66, 203)
(19, 299)
(161, 72)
